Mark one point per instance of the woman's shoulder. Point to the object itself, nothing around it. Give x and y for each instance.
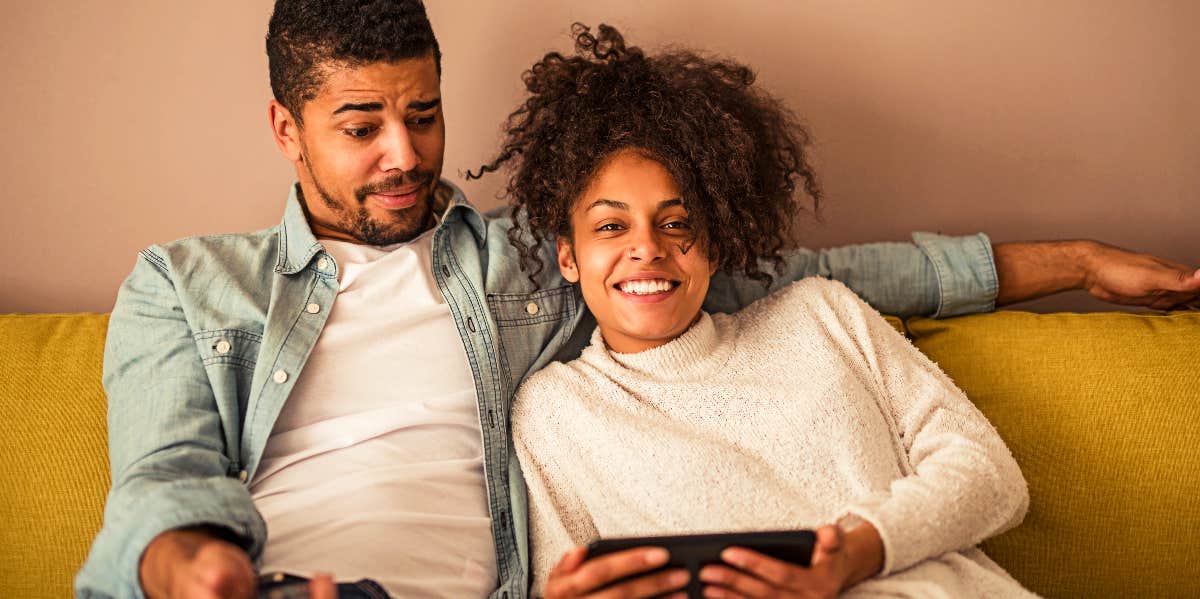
(547, 382)
(556, 388)
(811, 295)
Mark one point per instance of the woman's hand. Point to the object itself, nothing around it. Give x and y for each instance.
(840, 560)
(577, 576)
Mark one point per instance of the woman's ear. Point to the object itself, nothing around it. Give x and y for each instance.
(566, 260)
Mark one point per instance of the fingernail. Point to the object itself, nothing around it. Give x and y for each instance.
(656, 556)
(732, 556)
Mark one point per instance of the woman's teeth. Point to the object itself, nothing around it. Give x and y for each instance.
(645, 286)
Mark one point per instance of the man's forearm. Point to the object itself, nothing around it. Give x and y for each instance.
(1029, 270)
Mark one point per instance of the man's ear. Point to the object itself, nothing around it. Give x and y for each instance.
(566, 260)
(286, 131)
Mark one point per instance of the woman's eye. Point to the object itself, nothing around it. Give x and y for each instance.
(359, 132)
(677, 224)
(609, 227)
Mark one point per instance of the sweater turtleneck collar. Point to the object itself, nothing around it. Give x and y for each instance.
(696, 354)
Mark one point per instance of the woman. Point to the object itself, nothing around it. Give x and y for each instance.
(805, 410)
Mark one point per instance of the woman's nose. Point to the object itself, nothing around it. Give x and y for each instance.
(645, 247)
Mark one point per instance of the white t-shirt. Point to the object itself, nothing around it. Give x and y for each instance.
(374, 468)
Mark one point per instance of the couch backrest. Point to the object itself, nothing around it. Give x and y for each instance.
(1102, 411)
(53, 453)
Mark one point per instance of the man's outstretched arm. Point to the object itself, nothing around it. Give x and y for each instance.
(942, 276)
(934, 275)
(1031, 270)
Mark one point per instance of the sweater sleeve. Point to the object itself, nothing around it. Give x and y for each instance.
(558, 518)
(962, 485)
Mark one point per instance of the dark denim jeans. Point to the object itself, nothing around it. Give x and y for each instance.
(287, 586)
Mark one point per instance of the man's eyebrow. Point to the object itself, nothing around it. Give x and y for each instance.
(423, 106)
(368, 107)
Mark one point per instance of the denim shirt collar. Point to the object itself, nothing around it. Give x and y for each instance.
(298, 246)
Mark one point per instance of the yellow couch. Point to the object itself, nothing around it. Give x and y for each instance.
(1102, 411)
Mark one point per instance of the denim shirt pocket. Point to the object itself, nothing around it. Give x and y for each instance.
(532, 326)
(229, 357)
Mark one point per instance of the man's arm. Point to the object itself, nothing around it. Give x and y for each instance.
(942, 276)
(1034, 269)
(935, 275)
(167, 453)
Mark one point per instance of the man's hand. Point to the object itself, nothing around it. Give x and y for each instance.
(1032, 270)
(840, 560)
(575, 577)
(1123, 277)
(194, 563)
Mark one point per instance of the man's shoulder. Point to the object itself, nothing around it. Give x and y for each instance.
(235, 251)
(267, 238)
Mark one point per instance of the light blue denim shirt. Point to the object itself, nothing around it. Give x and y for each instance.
(209, 334)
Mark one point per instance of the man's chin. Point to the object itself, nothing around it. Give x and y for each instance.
(387, 227)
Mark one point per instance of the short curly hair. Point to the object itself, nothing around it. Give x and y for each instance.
(305, 36)
(736, 152)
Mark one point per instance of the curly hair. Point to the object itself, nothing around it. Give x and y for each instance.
(305, 36)
(735, 152)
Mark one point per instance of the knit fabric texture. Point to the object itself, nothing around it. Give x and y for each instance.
(802, 408)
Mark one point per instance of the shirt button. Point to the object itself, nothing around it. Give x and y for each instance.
(279, 377)
(312, 308)
(242, 476)
(471, 324)
(531, 308)
(323, 263)
(222, 347)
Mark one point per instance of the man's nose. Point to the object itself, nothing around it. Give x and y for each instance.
(645, 246)
(398, 151)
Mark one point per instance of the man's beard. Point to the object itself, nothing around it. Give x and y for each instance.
(357, 222)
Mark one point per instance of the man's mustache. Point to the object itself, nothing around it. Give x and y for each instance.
(407, 179)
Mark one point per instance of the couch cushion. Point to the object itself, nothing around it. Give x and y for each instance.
(53, 452)
(1102, 411)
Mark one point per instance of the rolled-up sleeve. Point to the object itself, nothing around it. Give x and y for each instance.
(966, 272)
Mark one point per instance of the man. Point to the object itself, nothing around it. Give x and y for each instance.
(343, 379)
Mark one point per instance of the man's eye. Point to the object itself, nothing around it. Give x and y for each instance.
(359, 132)
(424, 121)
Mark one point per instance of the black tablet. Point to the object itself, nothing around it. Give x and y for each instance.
(693, 552)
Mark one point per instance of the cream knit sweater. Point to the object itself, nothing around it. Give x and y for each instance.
(802, 408)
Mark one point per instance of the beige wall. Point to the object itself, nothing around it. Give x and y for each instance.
(131, 122)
